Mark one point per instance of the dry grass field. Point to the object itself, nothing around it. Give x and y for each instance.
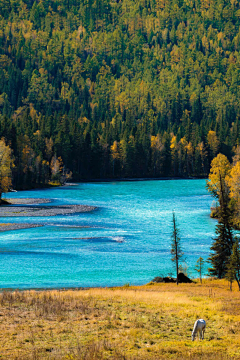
(146, 322)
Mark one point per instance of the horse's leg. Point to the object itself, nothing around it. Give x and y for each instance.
(203, 333)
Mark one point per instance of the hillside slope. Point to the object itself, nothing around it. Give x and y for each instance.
(119, 89)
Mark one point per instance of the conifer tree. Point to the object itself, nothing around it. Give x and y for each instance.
(224, 240)
(230, 273)
(176, 250)
(233, 267)
(199, 267)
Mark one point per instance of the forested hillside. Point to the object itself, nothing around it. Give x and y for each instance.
(143, 88)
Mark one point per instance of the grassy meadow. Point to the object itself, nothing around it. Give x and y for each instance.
(146, 322)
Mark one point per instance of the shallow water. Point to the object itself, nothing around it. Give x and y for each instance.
(126, 240)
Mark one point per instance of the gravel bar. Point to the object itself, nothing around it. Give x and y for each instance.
(7, 227)
(45, 211)
(27, 201)
(31, 207)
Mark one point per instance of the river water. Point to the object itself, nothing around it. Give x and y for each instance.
(127, 239)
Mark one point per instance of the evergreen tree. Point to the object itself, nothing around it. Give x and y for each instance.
(233, 267)
(199, 267)
(230, 273)
(222, 245)
(176, 250)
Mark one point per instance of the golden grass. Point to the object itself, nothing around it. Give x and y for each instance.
(146, 322)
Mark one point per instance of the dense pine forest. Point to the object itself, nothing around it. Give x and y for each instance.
(107, 89)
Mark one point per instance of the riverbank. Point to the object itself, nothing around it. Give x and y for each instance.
(144, 322)
(103, 180)
(136, 179)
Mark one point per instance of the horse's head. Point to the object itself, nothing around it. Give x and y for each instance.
(193, 336)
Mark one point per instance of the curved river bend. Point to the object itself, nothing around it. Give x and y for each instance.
(126, 240)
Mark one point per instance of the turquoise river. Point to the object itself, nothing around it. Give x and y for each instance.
(127, 239)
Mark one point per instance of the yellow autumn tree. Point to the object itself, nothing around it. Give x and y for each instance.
(233, 181)
(220, 168)
(56, 167)
(114, 153)
(236, 156)
(6, 165)
(28, 157)
(213, 142)
(173, 144)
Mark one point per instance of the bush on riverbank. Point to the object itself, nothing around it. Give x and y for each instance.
(182, 278)
(145, 322)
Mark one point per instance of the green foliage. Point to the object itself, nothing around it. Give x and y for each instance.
(91, 74)
(199, 267)
(223, 243)
(176, 250)
(230, 273)
(233, 268)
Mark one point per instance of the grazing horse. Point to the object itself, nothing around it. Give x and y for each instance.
(199, 327)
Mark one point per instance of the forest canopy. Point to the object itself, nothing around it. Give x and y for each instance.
(118, 88)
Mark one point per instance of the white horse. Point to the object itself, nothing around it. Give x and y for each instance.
(199, 327)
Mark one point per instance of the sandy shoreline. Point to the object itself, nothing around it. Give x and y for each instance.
(31, 207)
